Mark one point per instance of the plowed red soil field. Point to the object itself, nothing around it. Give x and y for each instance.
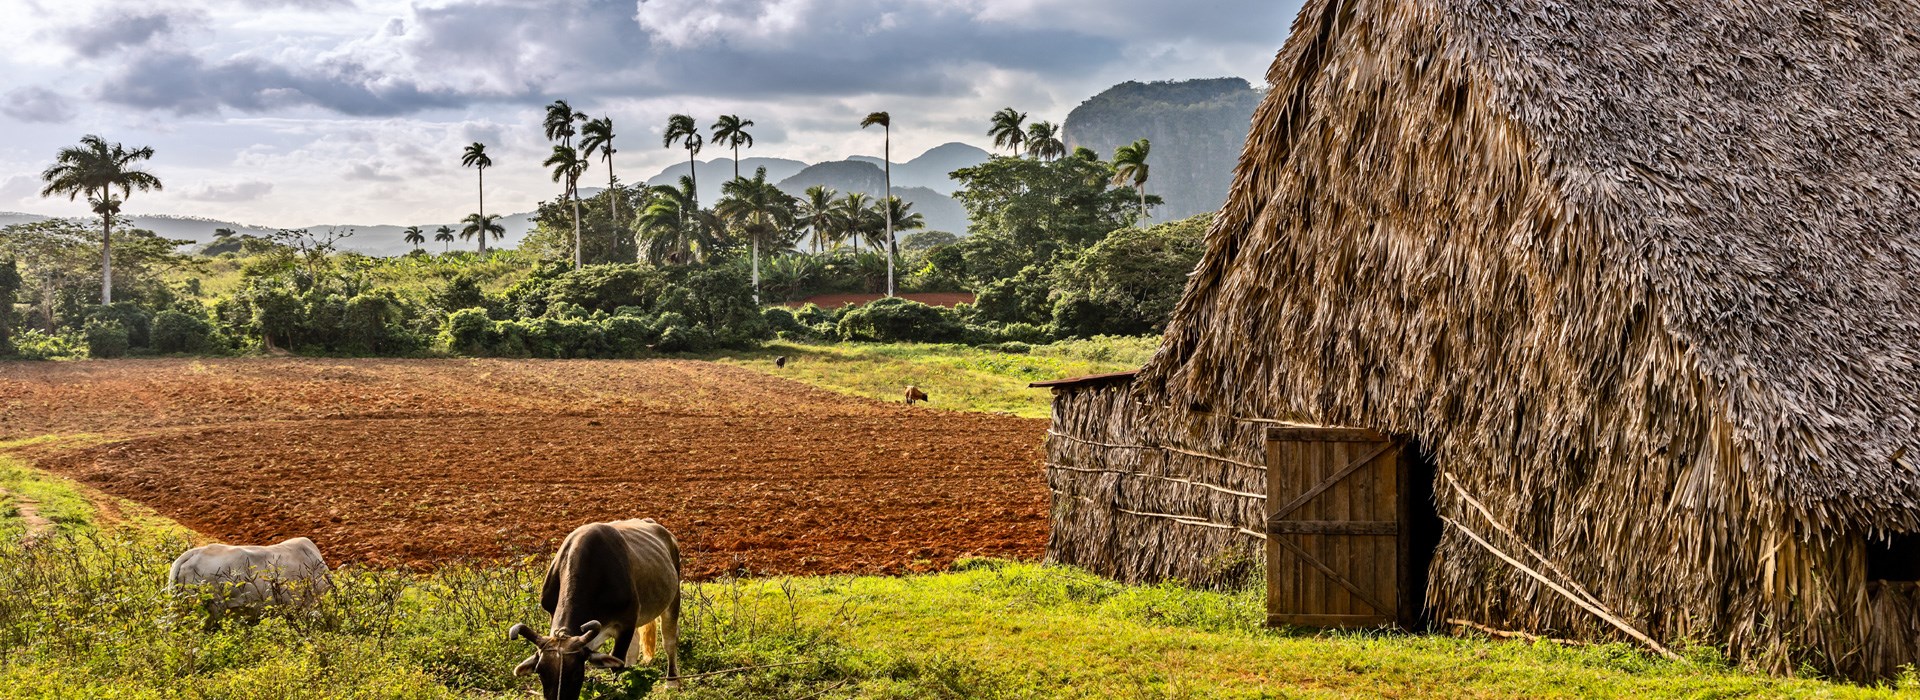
(422, 462)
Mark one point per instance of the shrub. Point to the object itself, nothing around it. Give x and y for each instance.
(461, 292)
(628, 335)
(34, 344)
(782, 320)
(900, 320)
(106, 339)
(132, 319)
(1022, 333)
(372, 323)
(1129, 282)
(469, 331)
(719, 300)
(683, 339)
(606, 287)
(177, 331)
(1013, 347)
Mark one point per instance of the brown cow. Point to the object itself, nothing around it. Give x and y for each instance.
(915, 394)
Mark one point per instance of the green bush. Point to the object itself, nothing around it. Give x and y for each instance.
(1013, 347)
(813, 315)
(135, 321)
(1129, 282)
(373, 324)
(176, 331)
(895, 320)
(106, 339)
(469, 331)
(34, 344)
(782, 321)
(628, 335)
(683, 339)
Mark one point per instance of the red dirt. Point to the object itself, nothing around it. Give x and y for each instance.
(834, 301)
(421, 462)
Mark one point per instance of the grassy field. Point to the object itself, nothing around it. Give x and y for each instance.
(83, 615)
(956, 377)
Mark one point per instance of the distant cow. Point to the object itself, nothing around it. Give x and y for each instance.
(606, 581)
(780, 361)
(915, 394)
(250, 577)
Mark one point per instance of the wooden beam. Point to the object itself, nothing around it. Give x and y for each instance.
(1323, 434)
(1336, 621)
(1332, 527)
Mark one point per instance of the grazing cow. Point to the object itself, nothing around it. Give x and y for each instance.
(250, 578)
(915, 394)
(780, 362)
(609, 581)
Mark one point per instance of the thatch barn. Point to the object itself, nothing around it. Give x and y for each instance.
(1636, 282)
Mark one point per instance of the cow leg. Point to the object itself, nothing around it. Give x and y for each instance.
(622, 645)
(672, 628)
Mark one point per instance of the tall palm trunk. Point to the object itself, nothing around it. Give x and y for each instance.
(756, 269)
(483, 212)
(613, 188)
(736, 161)
(886, 158)
(576, 227)
(106, 256)
(693, 175)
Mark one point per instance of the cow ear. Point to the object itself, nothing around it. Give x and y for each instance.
(607, 661)
(527, 666)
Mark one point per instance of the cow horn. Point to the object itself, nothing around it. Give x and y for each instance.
(591, 630)
(521, 630)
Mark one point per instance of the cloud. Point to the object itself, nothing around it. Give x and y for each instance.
(186, 84)
(369, 172)
(37, 104)
(230, 191)
(309, 5)
(103, 35)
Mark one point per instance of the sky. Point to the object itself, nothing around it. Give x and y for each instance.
(286, 113)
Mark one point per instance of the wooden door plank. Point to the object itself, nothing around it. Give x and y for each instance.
(1333, 576)
(1329, 481)
(1335, 527)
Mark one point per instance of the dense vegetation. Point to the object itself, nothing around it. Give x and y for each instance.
(1053, 253)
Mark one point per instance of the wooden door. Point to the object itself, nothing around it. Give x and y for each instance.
(1337, 514)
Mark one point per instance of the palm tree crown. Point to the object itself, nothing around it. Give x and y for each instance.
(816, 212)
(597, 138)
(1130, 168)
(758, 211)
(415, 237)
(673, 228)
(1043, 141)
(444, 235)
(681, 129)
(483, 225)
(95, 169)
(885, 121)
(731, 132)
(1007, 131)
(559, 122)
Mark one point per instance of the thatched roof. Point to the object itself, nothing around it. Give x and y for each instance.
(1741, 178)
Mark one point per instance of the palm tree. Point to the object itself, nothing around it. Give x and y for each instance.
(597, 137)
(886, 124)
(757, 210)
(1043, 141)
(415, 236)
(567, 167)
(94, 169)
(731, 132)
(854, 214)
(1130, 167)
(681, 128)
(673, 227)
(444, 235)
(559, 122)
(1006, 130)
(483, 225)
(817, 212)
(476, 157)
(901, 216)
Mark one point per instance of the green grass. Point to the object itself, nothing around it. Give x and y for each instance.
(83, 615)
(957, 377)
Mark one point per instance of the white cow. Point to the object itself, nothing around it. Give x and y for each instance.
(250, 578)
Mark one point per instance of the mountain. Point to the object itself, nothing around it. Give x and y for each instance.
(931, 169)
(371, 239)
(1197, 127)
(942, 212)
(719, 170)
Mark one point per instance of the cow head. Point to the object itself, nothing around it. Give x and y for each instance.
(562, 659)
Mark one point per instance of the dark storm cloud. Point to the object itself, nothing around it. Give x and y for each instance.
(105, 34)
(37, 104)
(185, 84)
